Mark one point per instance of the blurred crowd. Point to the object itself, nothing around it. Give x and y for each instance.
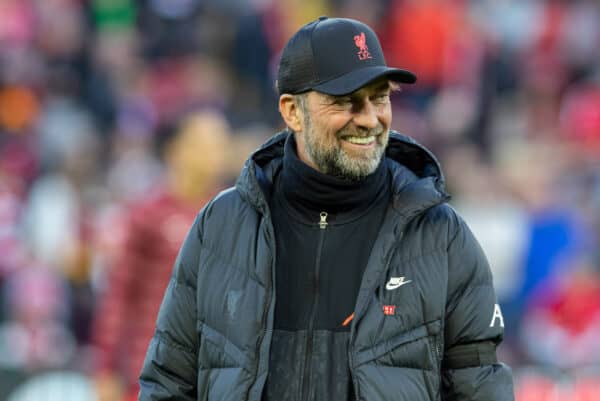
(120, 118)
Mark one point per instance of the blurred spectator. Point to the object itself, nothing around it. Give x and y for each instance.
(35, 335)
(448, 49)
(512, 24)
(498, 220)
(196, 159)
(55, 386)
(555, 235)
(567, 311)
(18, 167)
(60, 201)
(18, 108)
(580, 116)
(543, 384)
(133, 166)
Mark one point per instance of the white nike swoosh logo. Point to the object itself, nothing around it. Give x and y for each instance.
(396, 282)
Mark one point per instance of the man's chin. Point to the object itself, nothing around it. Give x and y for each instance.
(366, 157)
(358, 168)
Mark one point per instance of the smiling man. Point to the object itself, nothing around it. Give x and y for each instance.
(343, 136)
(334, 270)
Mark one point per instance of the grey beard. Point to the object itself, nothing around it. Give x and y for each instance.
(337, 163)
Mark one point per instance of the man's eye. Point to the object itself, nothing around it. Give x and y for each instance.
(383, 97)
(342, 101)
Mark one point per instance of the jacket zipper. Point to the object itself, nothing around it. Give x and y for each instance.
(323, 220)
(270, 296)
(306, 382)
(388, 260)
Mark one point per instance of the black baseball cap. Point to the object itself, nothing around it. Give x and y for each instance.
(335, 56)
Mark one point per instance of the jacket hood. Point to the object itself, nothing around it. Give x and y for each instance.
(417, 177)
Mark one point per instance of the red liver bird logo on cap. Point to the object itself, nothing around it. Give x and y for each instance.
(361, 42)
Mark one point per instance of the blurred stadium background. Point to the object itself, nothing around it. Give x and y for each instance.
(119, 118)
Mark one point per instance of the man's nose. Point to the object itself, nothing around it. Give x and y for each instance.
(366, 116)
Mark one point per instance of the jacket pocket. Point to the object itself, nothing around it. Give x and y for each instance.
(412, 348)
(222, 367)
(216, 351)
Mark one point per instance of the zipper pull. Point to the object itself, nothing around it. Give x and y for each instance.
(323, 221)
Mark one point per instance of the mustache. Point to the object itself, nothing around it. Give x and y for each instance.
(351, 131)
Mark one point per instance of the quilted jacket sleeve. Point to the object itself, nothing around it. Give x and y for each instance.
(170, 366)
(474, 326)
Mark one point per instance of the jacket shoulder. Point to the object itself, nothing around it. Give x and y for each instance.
(443, 213)
(440, 223)
(459, 241)
(228, 203)
(226, 214)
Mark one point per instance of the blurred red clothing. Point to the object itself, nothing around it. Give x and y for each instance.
(127, 312)
(576, 306)
(535, 388)
(580, 116)
(432, 38)
(567, 311)
(538, 386)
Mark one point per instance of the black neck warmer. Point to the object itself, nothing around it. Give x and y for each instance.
(309, 191)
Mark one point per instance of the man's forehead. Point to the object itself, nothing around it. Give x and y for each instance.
(375, 86)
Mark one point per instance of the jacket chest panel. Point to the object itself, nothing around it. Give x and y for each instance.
(230, 301)
(403, 322)
(415, 290)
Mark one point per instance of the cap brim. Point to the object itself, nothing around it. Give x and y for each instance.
(356, 79)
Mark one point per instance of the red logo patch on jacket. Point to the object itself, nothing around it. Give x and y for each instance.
(389, 310)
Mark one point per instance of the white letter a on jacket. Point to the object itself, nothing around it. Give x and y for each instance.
(497, 315)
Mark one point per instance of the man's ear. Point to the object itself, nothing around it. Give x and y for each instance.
(291, 113)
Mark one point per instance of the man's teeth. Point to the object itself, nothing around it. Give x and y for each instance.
(361, 140)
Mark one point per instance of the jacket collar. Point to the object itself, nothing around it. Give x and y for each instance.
(417, 178)
(418, 181)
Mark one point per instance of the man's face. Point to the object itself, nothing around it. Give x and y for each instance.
(346, 136)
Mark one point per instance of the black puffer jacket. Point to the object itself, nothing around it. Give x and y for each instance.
(432, 338)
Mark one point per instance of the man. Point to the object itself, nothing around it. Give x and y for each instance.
(153, 228)
(330, 272)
